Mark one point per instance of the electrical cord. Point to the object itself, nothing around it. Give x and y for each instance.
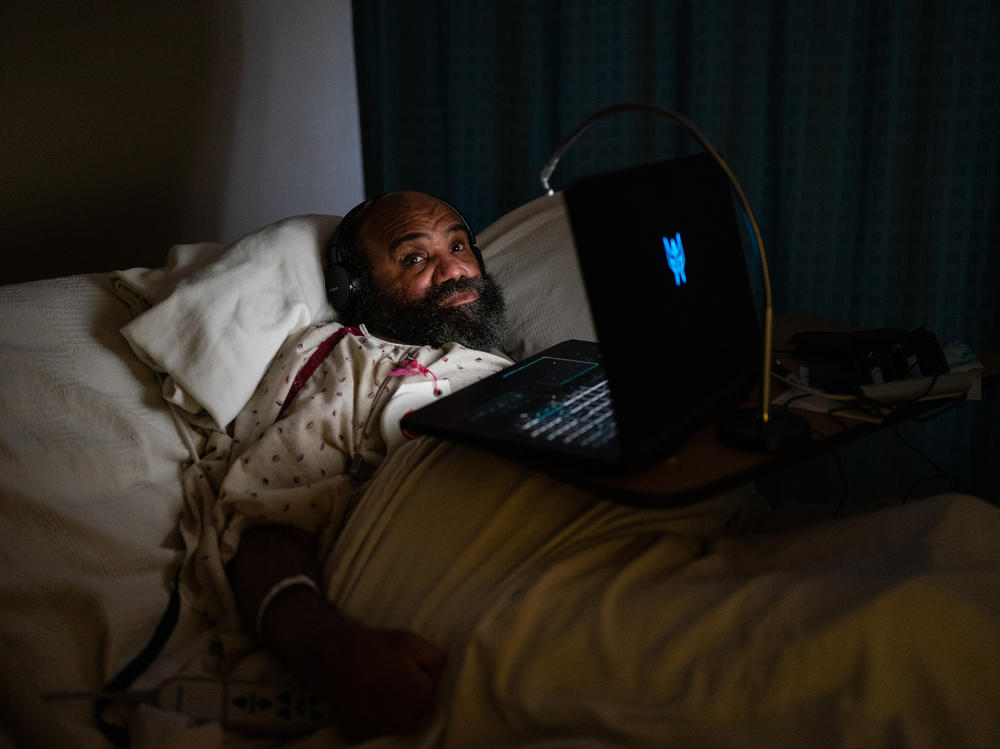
(941, 472)
(944, 409)
(845, 484)
(880, 411)
(117, 735)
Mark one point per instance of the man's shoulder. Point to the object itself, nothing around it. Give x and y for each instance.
(460, 356)
(320, 330)
(305, 341)
(319, 326)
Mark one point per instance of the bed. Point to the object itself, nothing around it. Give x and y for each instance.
(569, 620)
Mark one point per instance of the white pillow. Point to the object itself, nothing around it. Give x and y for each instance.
(531, 252)
(218, 328)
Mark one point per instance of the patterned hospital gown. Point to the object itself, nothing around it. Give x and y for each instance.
(286, 460)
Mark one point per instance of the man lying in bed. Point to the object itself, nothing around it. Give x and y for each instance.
(565, 618)
(423, 313)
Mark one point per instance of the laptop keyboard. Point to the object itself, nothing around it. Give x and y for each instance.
(581, 416)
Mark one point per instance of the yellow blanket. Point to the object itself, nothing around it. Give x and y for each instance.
(574, 621)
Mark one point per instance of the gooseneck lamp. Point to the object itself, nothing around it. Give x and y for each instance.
(752, 429)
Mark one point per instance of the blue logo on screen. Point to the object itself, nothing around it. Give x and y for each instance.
(675, 257)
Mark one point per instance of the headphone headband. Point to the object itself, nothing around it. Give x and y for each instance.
(342, 283)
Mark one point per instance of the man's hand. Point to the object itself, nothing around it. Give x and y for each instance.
(377, 681)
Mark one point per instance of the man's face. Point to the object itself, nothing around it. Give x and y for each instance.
(424, 283)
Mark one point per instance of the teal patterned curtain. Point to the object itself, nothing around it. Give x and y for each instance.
(865, 132)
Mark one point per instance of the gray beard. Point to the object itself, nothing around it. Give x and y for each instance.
(479, 325)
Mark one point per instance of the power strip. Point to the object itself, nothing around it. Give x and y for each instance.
(907, 391)
(244, 707)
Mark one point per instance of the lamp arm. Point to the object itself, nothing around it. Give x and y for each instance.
(553, 162)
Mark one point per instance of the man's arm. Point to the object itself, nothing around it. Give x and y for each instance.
(376, 681)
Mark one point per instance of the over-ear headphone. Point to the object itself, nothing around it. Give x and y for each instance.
(342, 281)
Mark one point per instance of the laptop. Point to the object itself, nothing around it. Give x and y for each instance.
(667, 281)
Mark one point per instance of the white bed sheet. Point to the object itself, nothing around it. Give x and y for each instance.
(90, 469)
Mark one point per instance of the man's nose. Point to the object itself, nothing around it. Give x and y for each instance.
(450, 268)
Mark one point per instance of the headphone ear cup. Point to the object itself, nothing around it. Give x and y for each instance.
(340, 285)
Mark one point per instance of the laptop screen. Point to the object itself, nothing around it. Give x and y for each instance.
(663, 263)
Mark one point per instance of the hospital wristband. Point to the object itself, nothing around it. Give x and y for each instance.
(278, 587)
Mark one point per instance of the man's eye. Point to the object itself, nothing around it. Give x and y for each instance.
(412, 259)
(457, 247)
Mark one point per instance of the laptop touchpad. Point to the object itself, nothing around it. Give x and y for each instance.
(550, 371)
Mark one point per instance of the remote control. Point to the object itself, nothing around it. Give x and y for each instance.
(245, 707)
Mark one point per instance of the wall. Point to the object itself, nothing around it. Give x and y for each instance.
(130, 127)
